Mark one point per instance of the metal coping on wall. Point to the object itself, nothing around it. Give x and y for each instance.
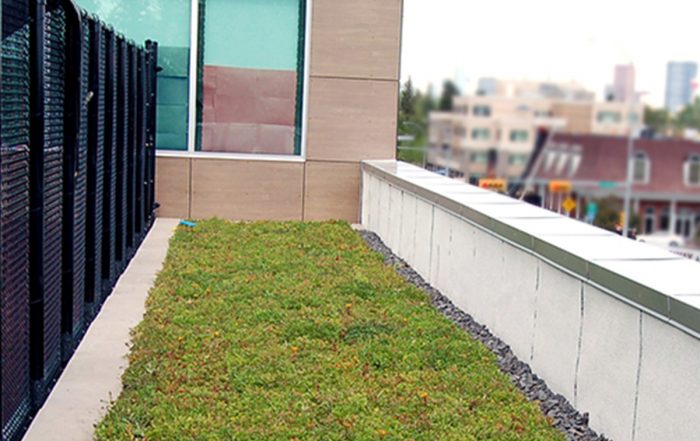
(658, 304)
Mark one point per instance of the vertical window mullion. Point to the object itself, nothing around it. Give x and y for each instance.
(192, 81)
(307, 76)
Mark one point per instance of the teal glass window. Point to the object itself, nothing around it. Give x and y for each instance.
(481, 134)
(168, 23)
(608, 117)
(519, 135)
(251, 76)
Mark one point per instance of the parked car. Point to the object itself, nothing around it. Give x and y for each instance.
(662, 239)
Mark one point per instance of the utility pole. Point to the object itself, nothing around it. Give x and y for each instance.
(628, 182)
(630, 164)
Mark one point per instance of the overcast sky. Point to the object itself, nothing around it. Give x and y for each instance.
(558, 40)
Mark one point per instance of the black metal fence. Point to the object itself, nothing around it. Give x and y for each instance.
(77, 166)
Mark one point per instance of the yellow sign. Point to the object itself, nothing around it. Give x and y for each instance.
(494, 184)
(568, 205)
(560, 186)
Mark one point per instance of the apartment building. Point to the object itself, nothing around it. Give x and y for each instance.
(493, 135)
(680, 76)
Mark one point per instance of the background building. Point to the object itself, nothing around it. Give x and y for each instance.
(666, 177)
(493, 135)
(623, 84)
(679, 84)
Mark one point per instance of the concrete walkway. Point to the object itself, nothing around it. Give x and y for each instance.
(92, 378)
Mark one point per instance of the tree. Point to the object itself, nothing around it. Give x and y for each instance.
(608, 215)
(657, 119)
(426, 103)
(407, 106)
(449, 91)
(689, 117)
(413, 121)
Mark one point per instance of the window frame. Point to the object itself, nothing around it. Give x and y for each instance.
(518, 159)
(638, 156)
(693, 159)
(476, 110)
(475, 156)
(617, 120)
(513, 138)
(485, 130)
(193, 92)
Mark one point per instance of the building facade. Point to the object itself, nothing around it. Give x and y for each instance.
(665, 176)
(265, 109)
(494, 135)
(679, 84)
(624, 83)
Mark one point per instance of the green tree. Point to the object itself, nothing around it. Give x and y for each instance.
(689, 117)
(658, 120)
(414, 108)
(449, 91)
(608, 216)
(407, 106)
(426, 103)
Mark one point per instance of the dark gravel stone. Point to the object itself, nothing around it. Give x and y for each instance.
(568, 420)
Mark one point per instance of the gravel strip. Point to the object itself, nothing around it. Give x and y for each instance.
(565, 418)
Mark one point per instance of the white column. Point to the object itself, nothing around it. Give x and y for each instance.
(672, 217)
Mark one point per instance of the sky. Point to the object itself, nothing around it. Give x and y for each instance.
(555, 40)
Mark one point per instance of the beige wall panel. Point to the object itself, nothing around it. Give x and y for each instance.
(247, 190)
(358, 38)
(172, 187)
(352, 120)
(332, 191)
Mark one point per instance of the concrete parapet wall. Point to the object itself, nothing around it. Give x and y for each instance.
(609, 323)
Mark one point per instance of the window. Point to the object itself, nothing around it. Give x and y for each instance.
(460, 132)
(250, 56)
(519, 135)
(574, 164)
(649, 220)
(633, 118)
(684, 223)
(462, 109)
(561, 163)
(640, 168)
(168, 23)
(518, 160)
(479, 157)
(691, 170)
(665, 219)
(482, 110)
(481, 134)
(549, 160)
(607, 117)
(244, 92)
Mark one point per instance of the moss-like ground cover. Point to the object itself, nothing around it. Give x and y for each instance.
(297, 331)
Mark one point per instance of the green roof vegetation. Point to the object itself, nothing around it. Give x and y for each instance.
(298, 331)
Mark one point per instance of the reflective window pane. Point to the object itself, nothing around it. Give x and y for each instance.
(251, 56)
(168, 23)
